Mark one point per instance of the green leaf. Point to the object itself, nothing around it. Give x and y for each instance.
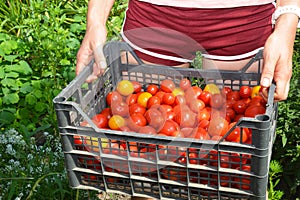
(8, 82)
(38, 94)
(5, 90)
(6, 117)
(26, 88)
(11, 58)
(40, 107)
(2, 73)
(11, 98)
(24, 113)
(64, 62)
(30, 99)
(24, 68)
(12, 75)
(284, 140)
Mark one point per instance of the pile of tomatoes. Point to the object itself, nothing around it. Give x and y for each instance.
(180, 111)
(186, 111)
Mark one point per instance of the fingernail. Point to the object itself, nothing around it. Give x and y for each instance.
(102, 64)
(265, 82)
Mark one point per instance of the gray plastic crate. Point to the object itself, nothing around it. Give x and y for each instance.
(93, 163)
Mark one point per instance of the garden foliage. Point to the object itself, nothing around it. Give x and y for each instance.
(39, 40)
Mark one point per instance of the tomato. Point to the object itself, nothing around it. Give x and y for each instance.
(169, 128)
(100, 120)
(186, 118)
(244, 181)
(205, 97)
(185, 84)
(152, 89)
(193, 158)
(136, 121)
(230, 114)
(203, 114)
(155, 118)
(238, 117)
(257, 101)
(237, 135)
(224, 159)
(216, 100)
(143, 98)
(177, 91)
(167, 85)
(106, 112)
(154, 100)
(136, 86)
(78, 142)
(147, 130)
(116, 122)
(125, 87)
(218, 126)
(252, 111)
(120, 108)
(137, 108)
(160, 95)
(239, 106)
(168, 99)
(204, 124)
(233, 95)
(113, 96)
(186, 131)
(212, 88)
(238, 159)
(180, 99)
(200, 134)
(164, 108)
(255, 91)
(245, 91)
(197, 91)
(131, 99)
(225, 90)
(197, 105)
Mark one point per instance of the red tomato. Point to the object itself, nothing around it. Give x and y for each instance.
(205, 97)
(218, 126)
(154, 100)
(204, 124)
(252, 111)
(197, 105)
(233, 95)
(186, 118)
(137, 108)
(257, 101)
(186, 131)
(106, 112)
(180, 99)
(200, 134)
(100, 120)
(160, 95)
(168, 99)
(147, 130)
(155, 118)
(224, 159)
(245, 91)
(230, 113)
(197, 91)
(167, 85)
(203, 114)
(216, 101)
(193, 158)
(120, 108)
(185, 84)
(239, 106)
(136, 121)
(169, 128)
(131, 99)
(237, 135)
(238, 117)
(164, 108)
(136, 86)
(243, 182)
(225, 90)
(152, 89)
(114, 97)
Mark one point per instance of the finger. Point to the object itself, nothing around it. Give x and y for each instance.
(267, 71)
(82, 60)
(100, 59)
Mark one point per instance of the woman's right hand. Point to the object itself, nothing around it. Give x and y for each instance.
(92, 48)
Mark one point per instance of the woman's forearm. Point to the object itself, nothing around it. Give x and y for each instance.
(98, 12)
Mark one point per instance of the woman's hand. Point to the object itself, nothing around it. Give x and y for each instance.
(278, 53)
(92, 48)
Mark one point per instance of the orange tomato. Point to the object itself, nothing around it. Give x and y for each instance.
(125, 87)
(143, 98)
(116, 122)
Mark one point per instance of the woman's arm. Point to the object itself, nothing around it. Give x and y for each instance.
(278, 52)
(95, 37)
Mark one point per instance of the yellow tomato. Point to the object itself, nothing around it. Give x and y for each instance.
(116, 122)
(143, 98)
(178, 91)
(255, 91)
(125, 87)
(212, 88)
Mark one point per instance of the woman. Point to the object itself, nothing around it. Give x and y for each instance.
(229, 33)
